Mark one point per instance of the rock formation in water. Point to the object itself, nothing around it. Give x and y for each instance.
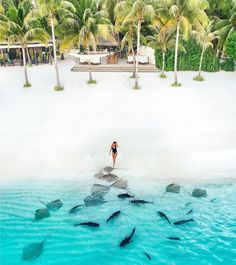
(120, 184)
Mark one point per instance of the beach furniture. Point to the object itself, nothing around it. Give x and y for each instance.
(96, 61)
(130, 59)
(143, 59)
(83, 61)
(112, 59)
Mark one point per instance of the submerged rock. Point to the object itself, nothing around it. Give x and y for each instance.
(54, 205)
(199, 193)
(110, 177)
(94, 199)
(98, 188)
(120, 184)
(32, 251)
(174, 188)
(41, 213)
(108, 169)
(99, 175)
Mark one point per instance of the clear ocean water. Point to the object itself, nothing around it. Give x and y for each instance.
(209, 240)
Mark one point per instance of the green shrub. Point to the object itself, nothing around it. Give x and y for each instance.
(169, 62)
(189, 60)
(230, 46)
(162, 75)
(27, 85)
(210, 62)
(228, 65)
(91, 82)
(58, 88)
(198, 78)
(176, 84)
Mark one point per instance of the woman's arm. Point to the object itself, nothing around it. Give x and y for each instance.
(110, 151)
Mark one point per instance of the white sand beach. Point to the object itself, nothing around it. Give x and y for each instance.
(162, 131)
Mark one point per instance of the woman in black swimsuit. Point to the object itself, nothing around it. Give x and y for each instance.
(113, 150)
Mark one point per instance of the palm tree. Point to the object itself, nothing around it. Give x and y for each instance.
(83, 28)
(109, 6)
(226, 27)
(16, 27)
(204, 38)
(54, 10)
(162, 39)
(185, 14)
(137, 12)
(130, 35)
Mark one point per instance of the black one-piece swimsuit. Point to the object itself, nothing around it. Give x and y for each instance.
(114, 150)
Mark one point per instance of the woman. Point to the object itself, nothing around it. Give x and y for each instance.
(113, 150)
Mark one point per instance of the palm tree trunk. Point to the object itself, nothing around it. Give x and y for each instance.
(35, 56)
(90, 68)
(200, 65)
(137, 55)
(28, 55)
(134, 63)
(163, 63)
(55, 55)
(176, 53)
(25, 68)
(90, 72)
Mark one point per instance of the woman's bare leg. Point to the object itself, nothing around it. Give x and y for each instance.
(114, 159)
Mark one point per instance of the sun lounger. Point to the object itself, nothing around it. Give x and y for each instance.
(83, 61)
(143, 59)
(96, 61)
(130, 59)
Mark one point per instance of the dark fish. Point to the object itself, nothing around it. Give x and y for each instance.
(188, 204)
(91, 224)
(189, 212)
(173, 238)
(140, 201)
(162, 215)
(214, 199)
(181, 222)
(125, 195)
(115, 214)
(127, 239)
(75, 208)
(147, 255)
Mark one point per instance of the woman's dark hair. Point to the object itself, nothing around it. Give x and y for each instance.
(114, 142)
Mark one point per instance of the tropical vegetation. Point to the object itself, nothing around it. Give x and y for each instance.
(186, 34)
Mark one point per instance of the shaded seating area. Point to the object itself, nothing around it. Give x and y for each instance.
(36, 53)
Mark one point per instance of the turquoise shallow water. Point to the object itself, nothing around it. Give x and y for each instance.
(210, 239)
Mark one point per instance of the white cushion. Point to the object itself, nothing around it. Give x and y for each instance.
(130, 59)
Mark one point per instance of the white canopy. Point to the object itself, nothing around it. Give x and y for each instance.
(88, 57)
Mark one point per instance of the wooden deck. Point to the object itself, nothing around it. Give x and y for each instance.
(120, 67)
